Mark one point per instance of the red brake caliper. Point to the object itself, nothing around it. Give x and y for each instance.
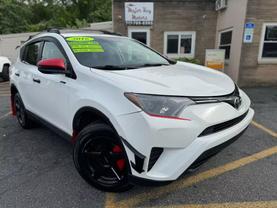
(120, 162)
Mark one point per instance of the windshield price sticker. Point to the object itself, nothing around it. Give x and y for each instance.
(84, 45)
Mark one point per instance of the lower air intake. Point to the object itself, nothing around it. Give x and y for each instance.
(222, 126)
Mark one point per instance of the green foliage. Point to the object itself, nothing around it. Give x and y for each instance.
(37, 15)
(11, 13)
(190, 60)
(102, 11)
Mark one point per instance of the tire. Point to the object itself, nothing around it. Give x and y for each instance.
(22, 117)
(100, 158)
(5, 73)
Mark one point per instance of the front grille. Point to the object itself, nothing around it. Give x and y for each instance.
(223, 126)
(232, 99)
(154, 156)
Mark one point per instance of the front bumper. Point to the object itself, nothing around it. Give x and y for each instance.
(181, 141)
(199, 161)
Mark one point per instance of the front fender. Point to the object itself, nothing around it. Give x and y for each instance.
(108, 113)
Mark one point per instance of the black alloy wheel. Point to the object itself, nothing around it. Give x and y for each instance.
(100, 158)
(21, 114)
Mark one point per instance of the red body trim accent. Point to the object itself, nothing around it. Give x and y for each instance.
(169, 117)
(13, 109)
(52, 63)
(74, 136)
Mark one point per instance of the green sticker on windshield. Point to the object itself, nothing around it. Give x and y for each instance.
(80, 44)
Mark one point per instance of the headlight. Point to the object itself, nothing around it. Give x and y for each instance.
(160, 106)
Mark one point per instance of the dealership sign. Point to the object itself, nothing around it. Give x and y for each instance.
(215, 59)
(139, 13)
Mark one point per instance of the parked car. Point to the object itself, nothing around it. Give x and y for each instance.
(4, 68)
(133, 115)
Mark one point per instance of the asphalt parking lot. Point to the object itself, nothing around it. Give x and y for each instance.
(36, 169)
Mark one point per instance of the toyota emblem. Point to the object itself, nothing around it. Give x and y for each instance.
(237, 102)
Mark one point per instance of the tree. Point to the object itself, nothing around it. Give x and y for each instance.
(11, 13)
(36, 15)
(101, 12)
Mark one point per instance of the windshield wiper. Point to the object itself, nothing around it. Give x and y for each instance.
(154, 64)
(122, 67)
(113, 67)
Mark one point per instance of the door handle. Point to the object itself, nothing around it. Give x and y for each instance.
(17, 74)
(36, 80)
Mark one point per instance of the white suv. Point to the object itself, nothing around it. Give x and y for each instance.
(132, 114)
(5, 64)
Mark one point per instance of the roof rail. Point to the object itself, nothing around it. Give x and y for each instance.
(50, 30)
(110, 33)
(53, 30)
(57, 31)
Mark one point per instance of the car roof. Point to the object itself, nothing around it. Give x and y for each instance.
(71, 33)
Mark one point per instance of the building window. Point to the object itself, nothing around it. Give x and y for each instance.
(225, 42)
(141, 34)
(179, 44)
(268, 48)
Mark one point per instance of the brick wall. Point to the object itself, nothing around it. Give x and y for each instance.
(251, 72)
(176, 15)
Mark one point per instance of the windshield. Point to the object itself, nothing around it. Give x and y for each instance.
(115, 53)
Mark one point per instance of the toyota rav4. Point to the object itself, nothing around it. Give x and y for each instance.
(133, 115)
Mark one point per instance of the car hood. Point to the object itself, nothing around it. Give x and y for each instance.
(181, 79)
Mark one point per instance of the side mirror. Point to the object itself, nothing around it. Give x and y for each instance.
(52, 66)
